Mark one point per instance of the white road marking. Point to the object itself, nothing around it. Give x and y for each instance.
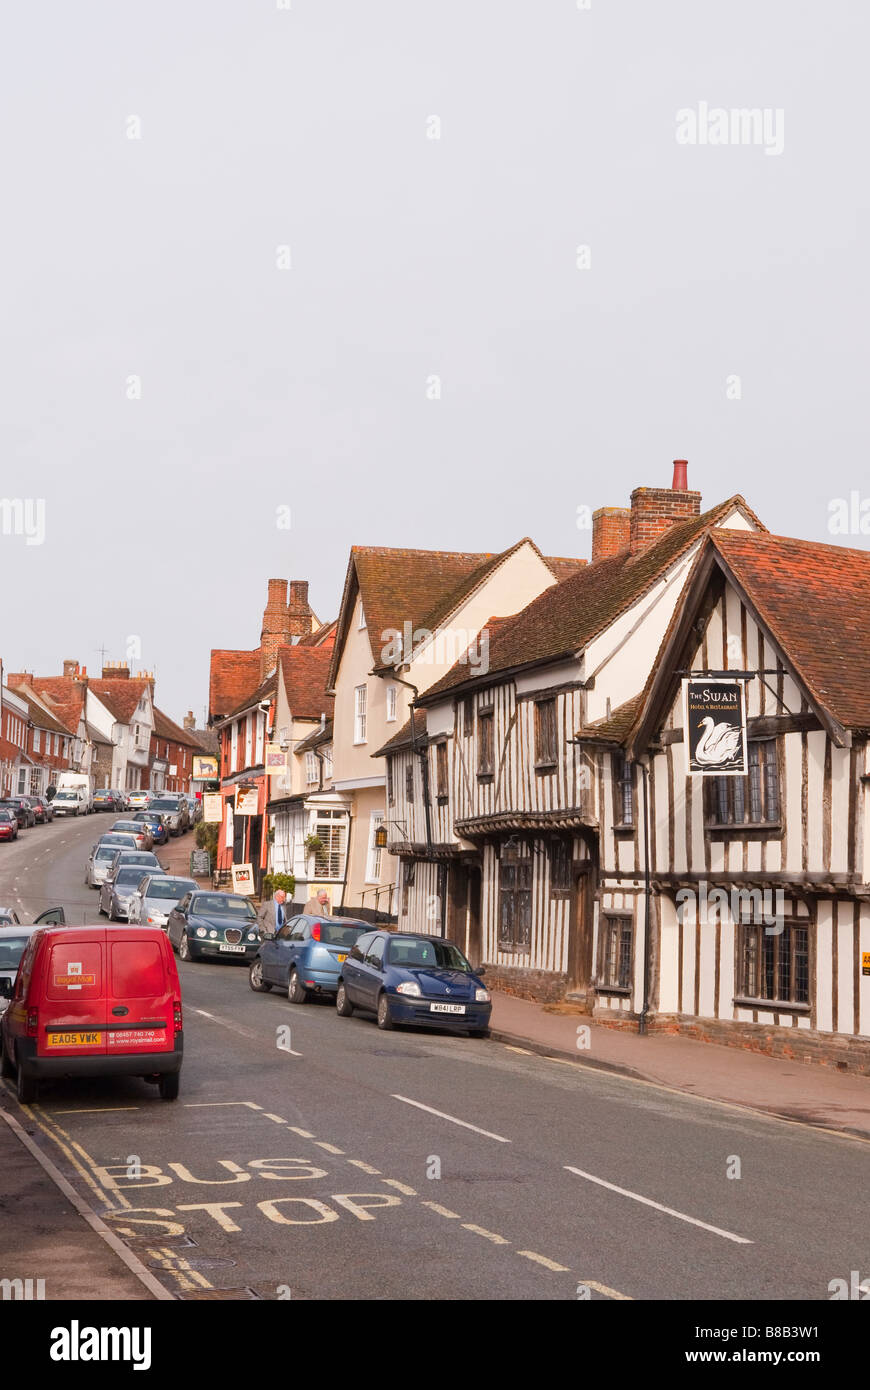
(330, 1148)
(542, 1260)
(669, 1211)
(400, 1187)
(453, 1120)
(206, 1104)
(487, 1235)
(237, 1028)
(366, 1167)
(303, 1133)
(277, 1118)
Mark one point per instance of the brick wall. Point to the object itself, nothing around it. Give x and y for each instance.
(611, 531)
(543, 986)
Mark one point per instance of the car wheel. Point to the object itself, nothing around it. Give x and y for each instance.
(385, 1023)
(478, 1032)
(343, 1006)
(169, 1085)
(255, 978)
(184, 948)
(296, 991)
(26, 1088)
(102, 909)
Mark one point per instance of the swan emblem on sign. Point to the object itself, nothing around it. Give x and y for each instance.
(719, 743)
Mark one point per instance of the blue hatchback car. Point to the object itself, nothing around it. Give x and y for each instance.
(407, 977)
(306, 956)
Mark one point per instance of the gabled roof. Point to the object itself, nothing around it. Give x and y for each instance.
(305, 673)
(206, 739)
(315, 739)
(324, 635)
(420, 587)
(615, 728)
(232, 676)
(39, 716)
(166, 728)
(266, 690)
(403, 738)
(64, 696)
(120, 696)
(566, 617)
(814, 602)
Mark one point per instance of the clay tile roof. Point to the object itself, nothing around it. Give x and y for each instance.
(232, 676)
(64, 696)
(403, 738)
(120, 696)
(420, 587)
(324, 635)
(815, 601)
(305, 672)
(567, 616)
(38, 715)
(166, 728)
(616, 727)
(264, 691)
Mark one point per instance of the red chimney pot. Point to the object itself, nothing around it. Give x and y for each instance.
(681, 480)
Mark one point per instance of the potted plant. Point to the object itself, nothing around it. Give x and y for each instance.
(313, 844)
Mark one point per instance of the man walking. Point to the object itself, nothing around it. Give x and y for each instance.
(271, 916)
(320, 905)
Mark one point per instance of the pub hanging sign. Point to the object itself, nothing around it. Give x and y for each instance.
(714, 727)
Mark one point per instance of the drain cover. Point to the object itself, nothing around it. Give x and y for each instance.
(208, 1295)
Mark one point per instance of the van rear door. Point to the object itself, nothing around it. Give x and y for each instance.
(141, 993)
(72, 1021)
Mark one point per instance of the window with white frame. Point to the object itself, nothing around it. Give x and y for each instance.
(37, 740)
(261, 734)
(234, 747)
(331, 831)
(359, 714)
(327, 762)
(391, 703)
(362, 616)
(22, 781)
(373, 866)
(249, 739)
(310, 768)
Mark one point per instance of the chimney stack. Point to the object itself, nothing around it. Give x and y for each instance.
(655, 509)
(611, 531)
(116, 671)
(189, 721)
(70, 667)
(298, 611)
(275, 631)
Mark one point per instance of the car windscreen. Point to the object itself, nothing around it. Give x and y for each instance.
(6, 814)
(174, 888)
(11, 950)
(116, 841)
(219, 905)
(337, 934)
(438, 955)
(129, 878)
(66, 796)
(164, 806)
(105, 852)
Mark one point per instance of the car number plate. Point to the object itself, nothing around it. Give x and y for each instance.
(447, 1008)
(236, 949)
(74, 1039)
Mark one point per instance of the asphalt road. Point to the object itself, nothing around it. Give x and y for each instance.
(313, 1157)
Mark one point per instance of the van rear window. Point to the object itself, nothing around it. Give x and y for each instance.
(137, 970)
(75, 971)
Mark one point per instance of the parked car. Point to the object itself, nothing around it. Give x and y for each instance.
(212, 925)
(42, 810)
(408, 977)
(306, 956)
(118, 886)
(174, 811)
(8, 824)
(194, 807)
(144, 838)
(155, 897)
(138, 800)
(71, 1015)
(14, 937)
(71, 801)
(108, 799)
(9, 917)
(22, 808)
(102, 856)
(156, 824)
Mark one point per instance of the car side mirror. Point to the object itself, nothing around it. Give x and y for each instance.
(7, 989)
(480, 970)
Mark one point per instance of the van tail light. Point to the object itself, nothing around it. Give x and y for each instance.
(32, 1022)
(315, 932)
(177, 1016)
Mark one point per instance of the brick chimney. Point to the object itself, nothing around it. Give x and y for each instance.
(116, 671)
(70, 667)
(275, 632)
(189, 721)
(611, 531)
(655, 509)
(298, 610)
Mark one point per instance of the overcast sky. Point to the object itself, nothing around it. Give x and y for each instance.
(309, 387)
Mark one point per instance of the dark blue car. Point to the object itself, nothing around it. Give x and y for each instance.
(406, 977)
(305, 957)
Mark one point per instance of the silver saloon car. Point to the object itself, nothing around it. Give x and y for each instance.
(155, 898)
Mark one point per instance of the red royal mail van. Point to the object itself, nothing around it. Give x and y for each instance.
(94, 1001)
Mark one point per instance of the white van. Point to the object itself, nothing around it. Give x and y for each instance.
(77, 782)
(71, 801)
